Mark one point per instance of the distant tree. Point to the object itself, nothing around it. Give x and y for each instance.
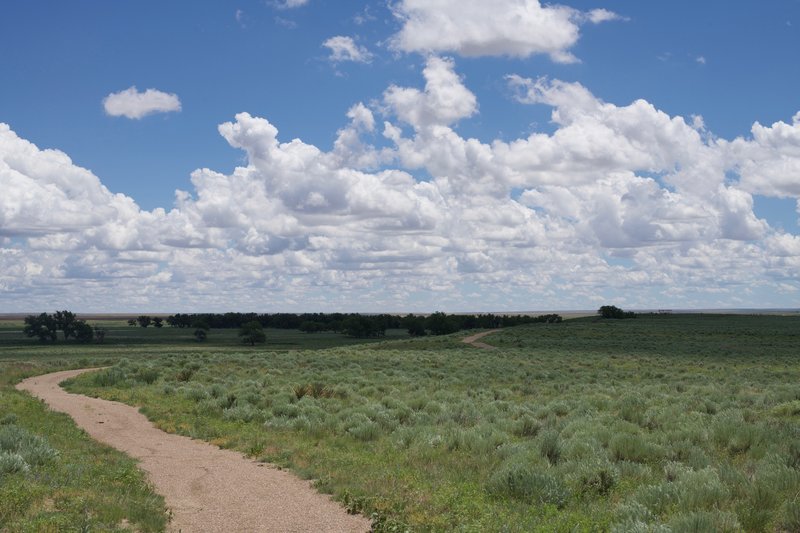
(158, 322)
(65, 321)
(201, 329)
(180, 320)
(100, 334)
(132, 322)
(144, 320)
(612, 311)
(363, 327)
(415, 325)
(42, 326)
(83, 331)
(252, 332)
(440, 324)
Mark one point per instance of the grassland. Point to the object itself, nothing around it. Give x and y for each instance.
(52, 476)
(664, 423)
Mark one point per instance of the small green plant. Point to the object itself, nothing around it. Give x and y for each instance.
(550, 447)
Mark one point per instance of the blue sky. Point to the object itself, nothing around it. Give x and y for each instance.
(684, 216)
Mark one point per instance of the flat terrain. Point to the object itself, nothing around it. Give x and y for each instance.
(661, 423)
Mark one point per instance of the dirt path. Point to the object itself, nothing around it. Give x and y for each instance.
(473, 340)
(206, 488)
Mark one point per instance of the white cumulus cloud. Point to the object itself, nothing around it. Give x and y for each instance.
(134, 104)
(345, 49)
(519, 28)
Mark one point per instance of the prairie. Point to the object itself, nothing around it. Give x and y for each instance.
(662, 423)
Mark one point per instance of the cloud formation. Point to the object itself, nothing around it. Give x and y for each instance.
(473, 28)
(133, 104)
(345, 49)
(290, 4)
(405, 213)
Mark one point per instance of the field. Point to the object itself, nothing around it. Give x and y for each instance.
(663, 423)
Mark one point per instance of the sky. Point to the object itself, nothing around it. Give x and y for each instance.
(400, 156)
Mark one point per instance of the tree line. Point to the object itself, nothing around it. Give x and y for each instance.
(351, 324)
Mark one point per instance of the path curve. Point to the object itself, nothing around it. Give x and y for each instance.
(206, 488)
(474, 340)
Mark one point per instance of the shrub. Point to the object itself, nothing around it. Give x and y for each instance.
(550, 447)
(628, 447)
(632, 408)
(365, 430)
(109, 377)
(527, 426)
(704, 522)
(195, 393)
(524, 483)
(184, 374)
(657, 498)
(595, 477)
(791, 517)
(793, 459)
(33, 449)
(701, 490)
(12, 463)
(147, 375)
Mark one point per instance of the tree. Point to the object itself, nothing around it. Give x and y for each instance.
(144, 320)
(158, 322)
(83, 332)
(310, 326)
(362, 327)
(65, 321)
(132, 322)
(415, 325)
(441, 324)
(201, 328)
(43, 326)
(612, 311)
(252, 332)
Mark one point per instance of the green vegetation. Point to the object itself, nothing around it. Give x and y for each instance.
(612, 311)
(664, 423)
(53, 477)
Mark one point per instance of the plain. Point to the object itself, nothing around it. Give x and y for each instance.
(660, 423)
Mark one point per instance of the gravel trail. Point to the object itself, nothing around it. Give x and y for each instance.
(474, 340)
(206, 488)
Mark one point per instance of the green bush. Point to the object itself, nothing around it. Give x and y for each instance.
(527, 484)
(12, 463)
(33, 449)
(630, 447)
(550, 447)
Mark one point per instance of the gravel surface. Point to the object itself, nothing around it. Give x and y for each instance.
(206, 488)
